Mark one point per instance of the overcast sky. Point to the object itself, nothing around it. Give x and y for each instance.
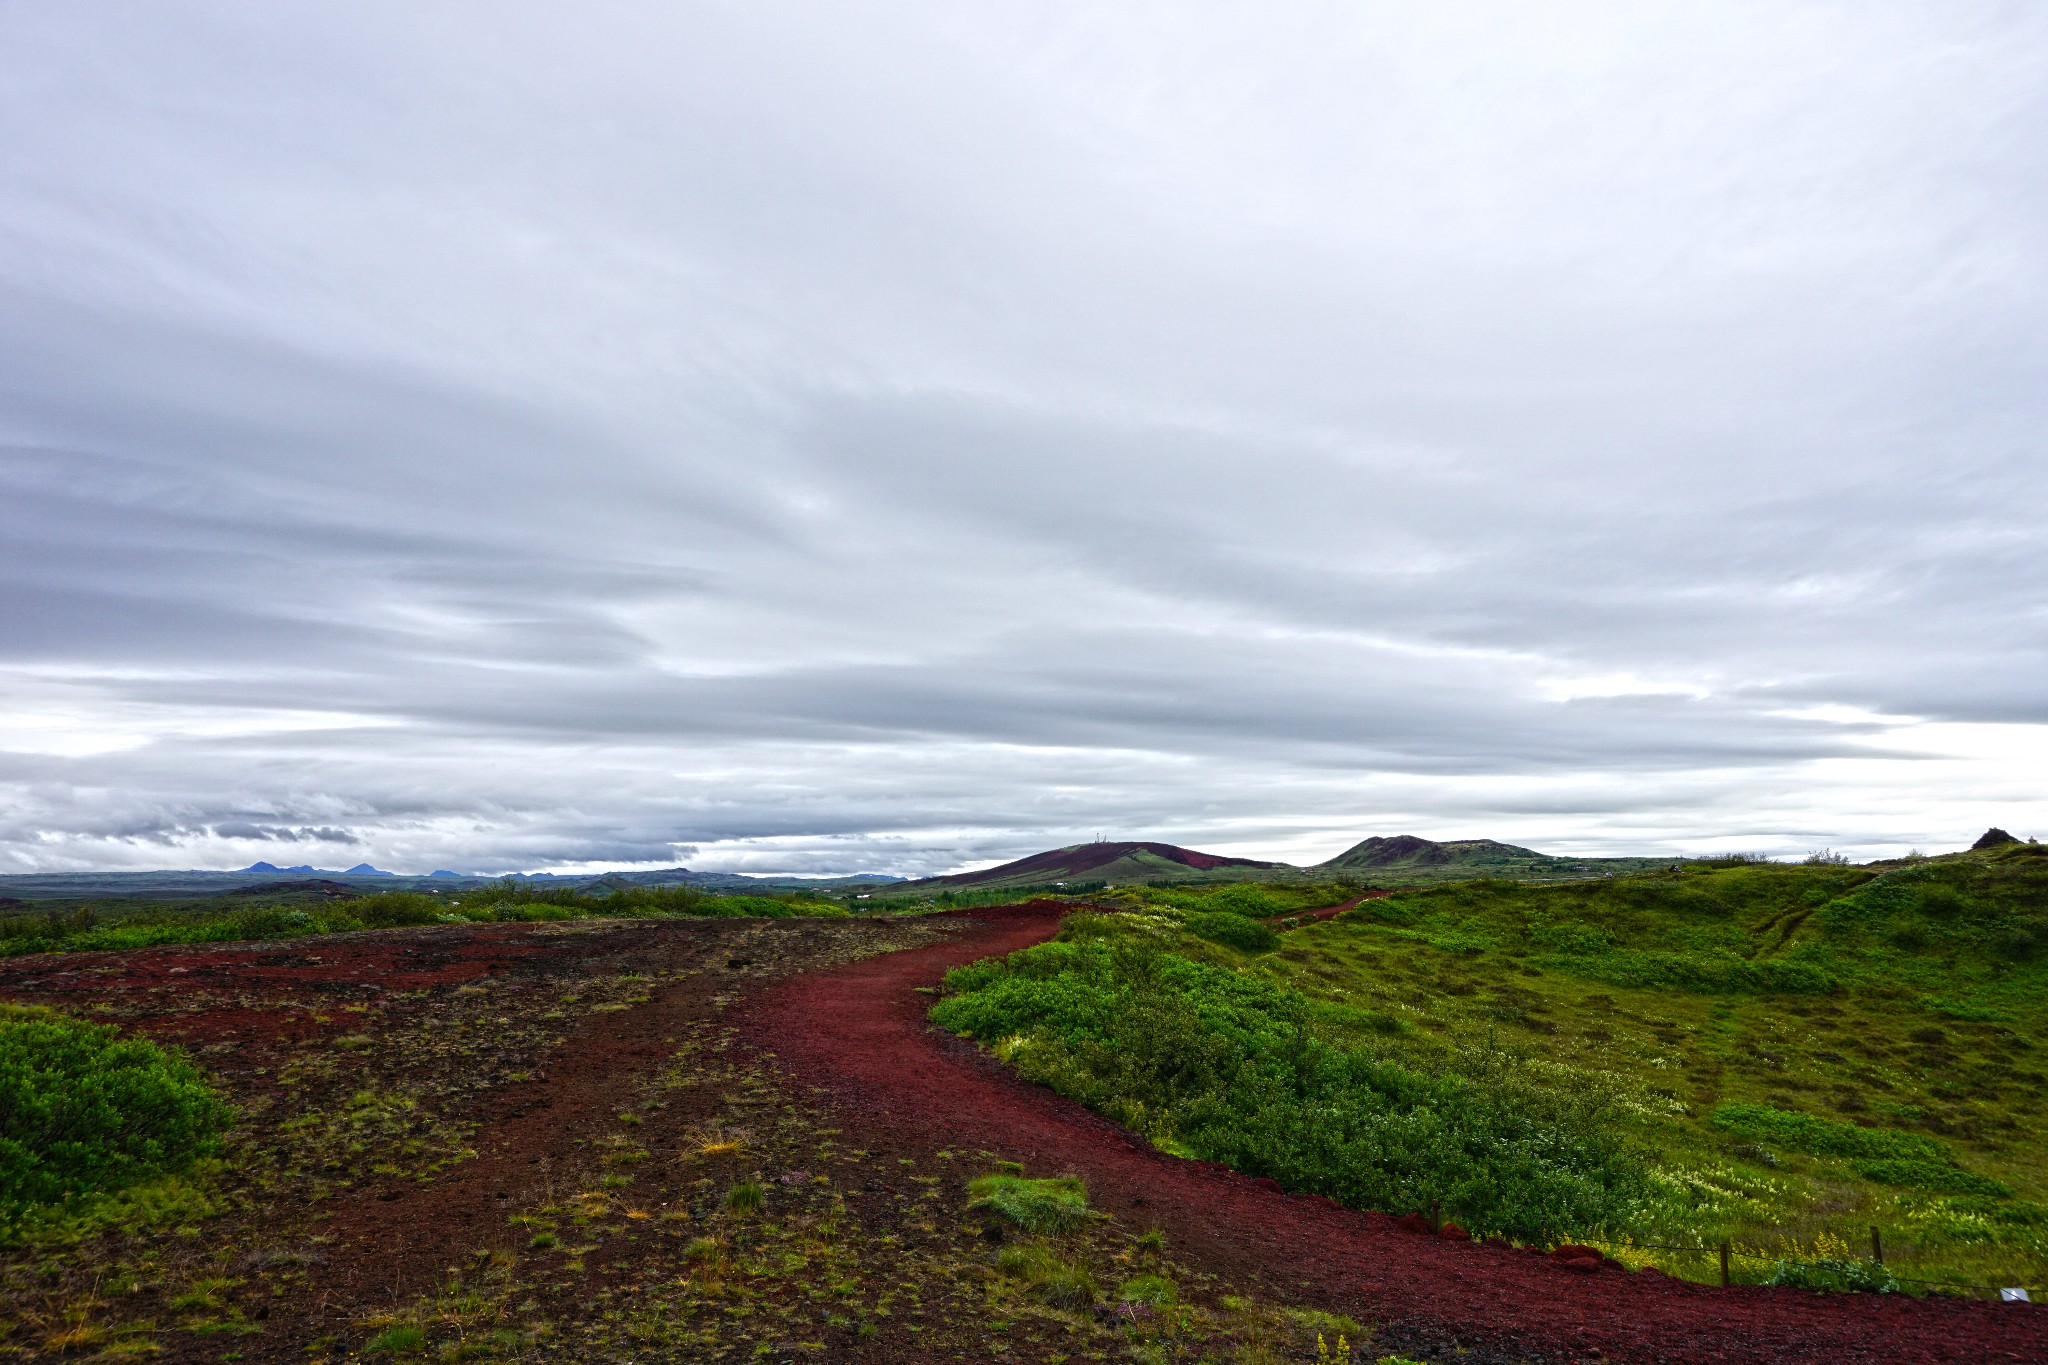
(899, 437)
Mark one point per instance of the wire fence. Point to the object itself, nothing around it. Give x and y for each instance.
(1727, 1252)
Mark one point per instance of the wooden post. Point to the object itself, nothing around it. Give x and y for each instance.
(1876, 1246)
(1724, 1264)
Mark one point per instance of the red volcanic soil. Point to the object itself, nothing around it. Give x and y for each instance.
(269, 993)
(1298, 919)
(859, 1032)
(1085, 858)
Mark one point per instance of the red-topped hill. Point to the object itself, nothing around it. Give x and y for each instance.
(1097, 862)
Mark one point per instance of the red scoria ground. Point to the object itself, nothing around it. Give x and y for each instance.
(520, 1139)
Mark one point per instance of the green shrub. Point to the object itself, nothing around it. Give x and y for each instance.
(394, 909)
(1387, 912)
(272, 922)
(1834, 1277)
(1226, 1067)
(1044, 1206)
(1244, 898)
(83, 1110)
(1824, 1136)
(1234, 931)
(1940, 1177)
(745, 1198)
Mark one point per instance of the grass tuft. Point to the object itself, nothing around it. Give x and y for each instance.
(1042, 1206)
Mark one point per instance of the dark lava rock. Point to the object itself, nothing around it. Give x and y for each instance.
(1993, 838)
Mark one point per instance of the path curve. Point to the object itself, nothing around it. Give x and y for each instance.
(860, 1033)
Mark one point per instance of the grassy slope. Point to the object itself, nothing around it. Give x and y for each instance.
(1907, 998)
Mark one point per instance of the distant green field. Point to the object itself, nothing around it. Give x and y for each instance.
(1789, 1054)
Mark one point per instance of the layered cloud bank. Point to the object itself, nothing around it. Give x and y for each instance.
(779, 439)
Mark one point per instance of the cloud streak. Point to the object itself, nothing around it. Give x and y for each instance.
(799, 441)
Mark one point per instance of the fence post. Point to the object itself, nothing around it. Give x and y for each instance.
(1724, 1264)
(1876, 1247)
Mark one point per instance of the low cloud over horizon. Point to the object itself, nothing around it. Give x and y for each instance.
(797, 439)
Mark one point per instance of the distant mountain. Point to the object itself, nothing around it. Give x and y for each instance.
(1100, 862)
(302, 870)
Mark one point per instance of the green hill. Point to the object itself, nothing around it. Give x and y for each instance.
(1411, 860)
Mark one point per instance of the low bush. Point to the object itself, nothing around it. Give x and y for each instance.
(1245, 898)
(1834, 1277)
(1234, 931)
(1824, 1136)
(396, 909)
(84, 1110)
(1939, 1177)
(1884, 1155)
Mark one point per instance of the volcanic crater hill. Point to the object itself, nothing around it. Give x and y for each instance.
(1416, 859)
(1097, 862)
(1409, 850)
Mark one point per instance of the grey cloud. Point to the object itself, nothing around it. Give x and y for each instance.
(876, 442)
(242, 829)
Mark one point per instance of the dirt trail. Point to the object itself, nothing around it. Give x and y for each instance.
(859, 1031)
(1303, 918)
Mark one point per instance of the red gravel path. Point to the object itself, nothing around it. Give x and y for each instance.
(860, 1032)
